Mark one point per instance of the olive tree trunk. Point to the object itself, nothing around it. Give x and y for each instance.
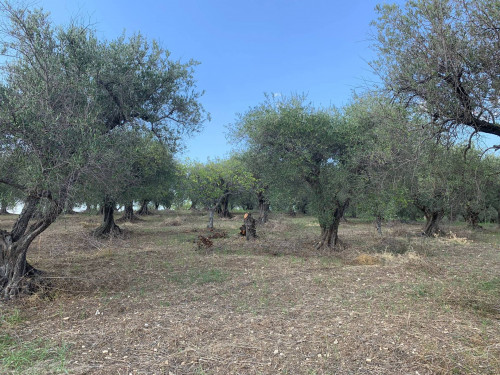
(16, 274)
(378, 220)
(249, 224)
(433, 219)
(223, 207)
(128, 214)
(211, 213)
(263, 208)
(144, 210)
(3, 208)
(330, 232)
(472, 218)
(108, 227)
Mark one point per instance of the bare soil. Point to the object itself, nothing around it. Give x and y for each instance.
(156, 302)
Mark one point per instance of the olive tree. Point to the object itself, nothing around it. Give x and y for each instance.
(381, 136)
(442, 55)
(62, 93)
(211, 184)
(302, 143)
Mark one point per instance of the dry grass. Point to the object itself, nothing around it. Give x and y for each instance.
(152, 303)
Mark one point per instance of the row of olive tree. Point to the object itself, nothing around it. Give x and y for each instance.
(66, 98)
(373, 154)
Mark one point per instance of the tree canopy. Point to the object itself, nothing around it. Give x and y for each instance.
(62, 95)
(442, 55)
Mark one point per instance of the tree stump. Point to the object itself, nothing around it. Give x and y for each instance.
(249, 224)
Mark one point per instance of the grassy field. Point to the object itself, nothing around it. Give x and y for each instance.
(153, 302)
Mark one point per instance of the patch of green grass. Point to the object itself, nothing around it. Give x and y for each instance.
(11, 319)
(421, 290)
(41, 356)
(492, 285)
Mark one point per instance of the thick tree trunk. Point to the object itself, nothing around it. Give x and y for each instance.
(329, 233)
(157, 206)
(302, 207)
(144, 210)
(223, 208)
(249, 223)
(433, 219)
(128, 214)
(329, 236)
(16, 275)
(263, 208)
(193, 205)
(108, 227)
(472, 218)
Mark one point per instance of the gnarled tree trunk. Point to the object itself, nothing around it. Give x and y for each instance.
(433, 219)
(144, 210)
(329, 232)
(223, 207)
(128, 214)
(108, 226)
(250, 230)
(472, 218)
(15, 273)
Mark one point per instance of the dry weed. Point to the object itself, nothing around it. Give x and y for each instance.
(150, 303)
(366, 260)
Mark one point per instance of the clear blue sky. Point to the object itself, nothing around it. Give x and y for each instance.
(246, 48)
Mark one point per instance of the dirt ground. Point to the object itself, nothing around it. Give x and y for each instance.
(155, 302)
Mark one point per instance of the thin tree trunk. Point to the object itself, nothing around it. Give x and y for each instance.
(108, 227)
(211, 213)
(354, 212)
(379, 224)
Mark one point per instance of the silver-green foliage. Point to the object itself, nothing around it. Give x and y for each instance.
(442, 55)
